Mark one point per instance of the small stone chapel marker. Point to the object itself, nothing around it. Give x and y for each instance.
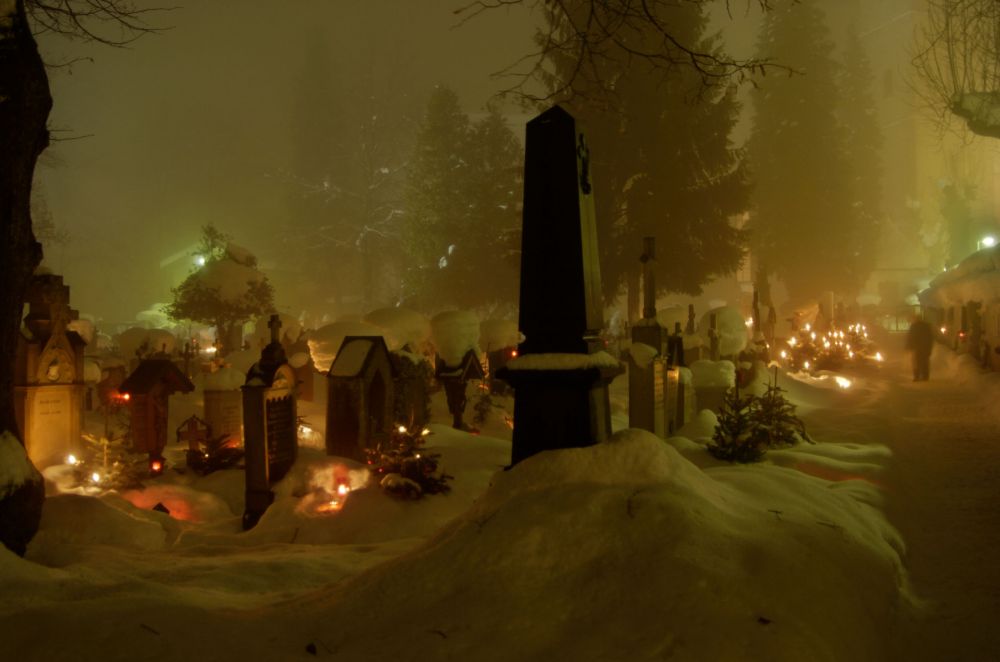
(270, 426)
(48, 373)
(560, 386)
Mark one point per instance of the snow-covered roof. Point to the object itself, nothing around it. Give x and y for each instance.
(976, 278)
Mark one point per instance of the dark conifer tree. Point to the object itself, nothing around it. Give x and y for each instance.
(462, 196)
(805, 229)
(662, 161)
(862, 150)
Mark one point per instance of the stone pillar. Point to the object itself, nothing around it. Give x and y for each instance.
(560, 386)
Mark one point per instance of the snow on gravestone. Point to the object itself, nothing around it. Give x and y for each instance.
(360, 397)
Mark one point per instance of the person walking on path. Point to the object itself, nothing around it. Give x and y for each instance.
(920, 340)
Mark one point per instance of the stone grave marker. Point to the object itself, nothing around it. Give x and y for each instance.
(224, 404)
(560, 376)
(148, 390)
(360, 396)
(270, 425)
(48, 373)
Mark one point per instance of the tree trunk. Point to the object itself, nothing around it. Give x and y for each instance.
(24, 109)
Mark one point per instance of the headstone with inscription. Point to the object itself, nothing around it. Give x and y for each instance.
(360, 397)
(560, 376)
(48, 373)
(270, 425)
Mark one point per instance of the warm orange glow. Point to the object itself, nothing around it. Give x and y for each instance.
(156, 466)
(126, 397)
(513, 353)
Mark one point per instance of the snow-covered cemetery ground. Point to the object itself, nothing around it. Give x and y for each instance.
(874, 543)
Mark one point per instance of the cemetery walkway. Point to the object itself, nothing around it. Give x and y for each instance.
(942, 490)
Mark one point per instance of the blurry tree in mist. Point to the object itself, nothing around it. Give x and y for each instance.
(805, 228)
(350, 135)
(224, 291)
(957, 63)
(858, 115)
(587, 33)
(462, 208)
(662, 159)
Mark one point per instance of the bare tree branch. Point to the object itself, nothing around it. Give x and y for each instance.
(596, 32)
(109, 22)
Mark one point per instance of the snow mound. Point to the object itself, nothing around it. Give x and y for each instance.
(84, 328)
(455, 333)
(496, 334)
(242, 360)
(633, 526)
(183, 502)
(74, 519)
(324, 342)
(224, 379)
(15, 468)
(671, 316)
(402, 326)
(702, 426)
(132, 340)
(731, 327)
(705, 373)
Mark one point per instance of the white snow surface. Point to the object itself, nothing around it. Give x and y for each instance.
(976, 278)
(455, 332)
(351, 358)
(84, 328)
(706, 373)
(226, 378)
(670, 316)
(563, 361)
(633, 549)
(324, 342)
(130, 340)
(496, 334)
(15, 467)
(731, 327)
(642, 354)
(401, 326)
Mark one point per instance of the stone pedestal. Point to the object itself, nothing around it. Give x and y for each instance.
(50, 417)
(646, 399)
(559, 408)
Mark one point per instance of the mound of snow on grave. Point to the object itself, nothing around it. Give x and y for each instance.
(324, 342)
(402, 327)
(224, 379)
(496, 334)
(731, 327)
(455, 333)
(708, 374)
(133, 340)
(627, 551)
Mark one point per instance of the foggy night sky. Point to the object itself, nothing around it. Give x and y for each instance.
(191, 126)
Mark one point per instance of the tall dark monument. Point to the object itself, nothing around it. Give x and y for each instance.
(560, 381)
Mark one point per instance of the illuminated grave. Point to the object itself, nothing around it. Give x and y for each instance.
(48, 373)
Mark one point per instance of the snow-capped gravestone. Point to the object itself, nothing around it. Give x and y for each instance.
(560, 376)
(48, 373)
(148, 390)
(359, 405)
(270, 425)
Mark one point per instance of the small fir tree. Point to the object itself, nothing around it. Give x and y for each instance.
(402, 467)
(735, 438)
(774, 420)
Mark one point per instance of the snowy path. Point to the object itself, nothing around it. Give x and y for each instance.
(942, 490)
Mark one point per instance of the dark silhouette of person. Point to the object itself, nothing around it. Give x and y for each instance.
(920, 340)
